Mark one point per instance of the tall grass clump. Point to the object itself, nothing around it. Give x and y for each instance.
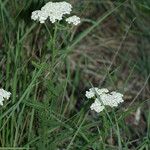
(55, 96)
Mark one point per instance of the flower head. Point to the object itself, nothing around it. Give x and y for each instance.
(103, 98)
(73, 19)
(54, 11)
(4, 95)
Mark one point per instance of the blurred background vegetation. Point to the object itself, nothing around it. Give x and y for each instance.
(114, 53)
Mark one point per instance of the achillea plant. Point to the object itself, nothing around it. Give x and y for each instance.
(55, 12)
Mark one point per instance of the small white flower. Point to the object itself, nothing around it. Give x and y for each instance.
(1, 100)
(95, 91)
(89, 94)
(39, 15)
(104, 98)
(96, 106)
(4, 95)
(102, 91)
(74, 20)
(35, 15)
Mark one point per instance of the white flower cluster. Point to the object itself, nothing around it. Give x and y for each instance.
(103, 98)
(4, 95)
(55, 11)
(73, 19)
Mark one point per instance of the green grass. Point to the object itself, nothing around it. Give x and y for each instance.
(45, 69)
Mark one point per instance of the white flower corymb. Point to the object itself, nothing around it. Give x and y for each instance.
(73, 19)
(4, 95)
(52, 10)
(103, 98)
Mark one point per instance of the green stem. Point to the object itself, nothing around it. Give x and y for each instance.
(54, 49)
